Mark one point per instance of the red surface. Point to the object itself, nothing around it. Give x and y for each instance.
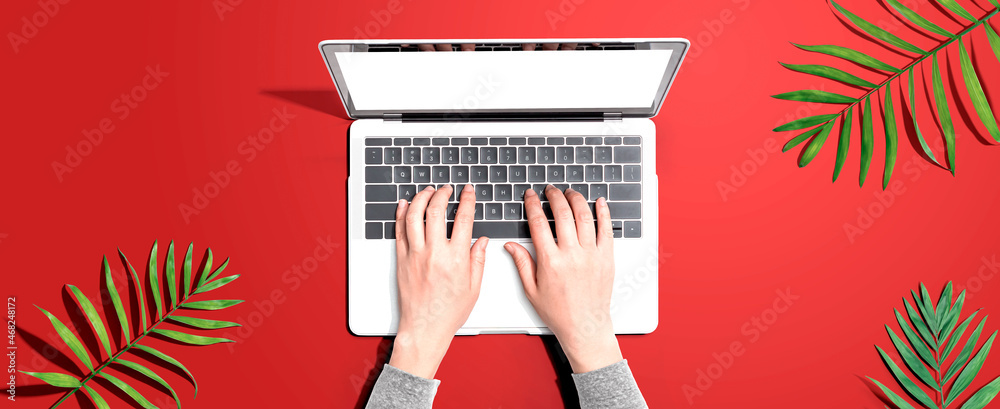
(724, 257)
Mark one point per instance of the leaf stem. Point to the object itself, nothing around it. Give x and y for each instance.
(127, 347)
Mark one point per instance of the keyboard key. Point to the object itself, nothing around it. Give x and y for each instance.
(555, 173)
(598, 190)
(594, 140)
(453, 192)
(556, 140)
(585, 154)
(594, 173)
(393, 156)
(574, 173)
(564, 155)
(536, 141)
(498, 174)
(460, 174)
(439, 141)
(432, 156)
(517, 141)
(632, 140)
(390, 230)
(503, 193)
(547, 155)
(480, 141)
(380, 211)
(633, 229)
(406, 192)
(536, 173)
(378, 174)
(470, 155)
(440, 174)
(602, 154)
(421, 174)
(380, 193)
(488, 155)
(582, 189)
(449, 155)
(501, 230)
(422, 141)
(378, 142)
(411, 156)
(613, 140)
(547, 209)
(479, 174)
(517, 174)
(625, 210)
(459, 141)
(561, 186)
(574, 140)
(508, 154)
(613, 173)
(402, 174)
(628, 154)
(484, 193)
(494, 211)
(626, 191)
(479, 211)
(373, 156)
(450, 211)
(616, 228)
(632, 173)
(526, 155)
(519, 192)
(401, 141)
(373, 230)
(512, 211)
(498, 141)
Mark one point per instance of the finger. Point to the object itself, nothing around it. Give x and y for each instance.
(525, 267)
(468, 47)
(605, 236)
(415, 217)
(528, 46)
(434, 231)
(462, 232)
(569, 46)
(425, 47)
(565, 226)
(477, 256)
(584, 218)
(443, 47)
(538, 224)
(401, 244)
(550, 46)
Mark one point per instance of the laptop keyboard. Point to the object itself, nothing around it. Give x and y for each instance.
(501, 169)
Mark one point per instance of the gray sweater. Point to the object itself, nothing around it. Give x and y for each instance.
(609, 387)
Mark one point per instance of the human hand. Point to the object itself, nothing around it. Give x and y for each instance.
(438, 279)
(571, 283)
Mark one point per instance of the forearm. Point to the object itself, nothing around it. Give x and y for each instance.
(609, 387)
(396, 388)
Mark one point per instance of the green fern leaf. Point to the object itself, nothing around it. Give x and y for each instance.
(92, 317)
(867, 141)
(891, 140)
(59, 380)
(171, 275)
(140, 294)
(170, 360)
(210, 305)
(984, 396)
(896, 399)
(919, 20)
(217, 284)
(812, 95)
(800, 123)
(944, 113)
(955, 336)
(190, 339)
(207, 269)
(916, 126)
(815, 145)
(957, 9)
(96, 398)
(965, 377)
(154, 282)
(877, 32)
(849, 55)
(844, 143)
(800, 138)
(203, 323)
(917, 344)
(218, 270)
(911, 361)
(979, 101)
(919, 324)
(116, 301)
(186, 271)
(131, 392)
(963, 356)
(70, 339)
(151, 375)
(823, 71)
(905, 381)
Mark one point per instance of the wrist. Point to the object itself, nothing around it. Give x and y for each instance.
(418, 355)
(587, 353)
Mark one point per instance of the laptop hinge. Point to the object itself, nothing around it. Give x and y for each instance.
(612, 116)
(392, 117)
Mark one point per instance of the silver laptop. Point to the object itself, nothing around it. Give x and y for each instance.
(510, 115)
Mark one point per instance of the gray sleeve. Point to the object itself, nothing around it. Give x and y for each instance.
(609, 387)
(396, 388)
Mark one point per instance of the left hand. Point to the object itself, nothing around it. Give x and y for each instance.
(438, 278)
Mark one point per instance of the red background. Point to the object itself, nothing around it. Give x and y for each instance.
(724, 258)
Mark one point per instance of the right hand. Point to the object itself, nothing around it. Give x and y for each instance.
(571, 283)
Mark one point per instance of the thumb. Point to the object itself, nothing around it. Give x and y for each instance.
(478, 256)
(525, 265)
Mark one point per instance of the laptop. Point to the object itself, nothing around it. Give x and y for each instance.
(510, 115)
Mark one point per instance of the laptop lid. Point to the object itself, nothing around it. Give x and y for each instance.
(522, 78)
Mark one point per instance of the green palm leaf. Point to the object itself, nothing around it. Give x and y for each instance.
(952, 317)
(812, 95)
(203, 323)
(138, 288)
(957, 9)
(135, 395)
(928, 309)
(186, 271)
(890, 138)
(849, 55)
(207, 269)
(979, 101)
(916, 126)
(955, 336)
(944, 114)
(217, 284)
(830, 73)
(905, 381)
(919, 20)
(815, 145)
(151, 375)
(70, 339)
(963, 355)
(911, 361)
(210, 305)
(896, 399)
(95, 320)
(168, 359)
(994, 39)
(96, 398)
(919, 324)
(154, 282)
(943, 307)
(218, 270)
(844, 144)
(190, 339)
(867, 141)
(917, 344)
(877, 32)
(800, 138)
(116, 301)
(970, 371)
(171, 275)
(56, 379)
(984, 396)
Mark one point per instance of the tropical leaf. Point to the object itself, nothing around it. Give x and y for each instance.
(896, 399)
(942, 109)
(165, 312)
(815, 145)
(963, 355)
(965, 377)
(914, 390)
(984, 396)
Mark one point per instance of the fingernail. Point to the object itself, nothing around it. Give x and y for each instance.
(529, 192)
(508, 247)
(601, 202)
(468, 186)
(429, 188)
(569, 189)
(549, 186)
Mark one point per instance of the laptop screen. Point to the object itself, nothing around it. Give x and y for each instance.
(629, 81)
